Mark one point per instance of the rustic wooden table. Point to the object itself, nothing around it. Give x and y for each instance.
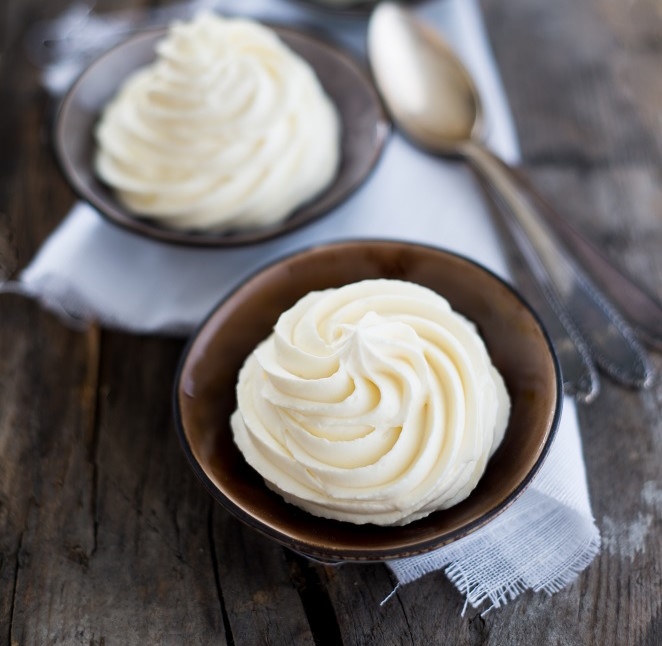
(105, 534)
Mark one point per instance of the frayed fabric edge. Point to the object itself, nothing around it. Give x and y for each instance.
(477, 595)
(583, 559)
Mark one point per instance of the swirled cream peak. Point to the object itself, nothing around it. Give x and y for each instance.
(227, 129)
(371, 403)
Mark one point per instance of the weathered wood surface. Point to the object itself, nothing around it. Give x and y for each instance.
(106, 536)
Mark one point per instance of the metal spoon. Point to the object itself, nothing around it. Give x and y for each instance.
(434, 101)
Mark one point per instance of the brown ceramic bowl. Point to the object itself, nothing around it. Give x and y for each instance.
(364, 132)
(204, 395)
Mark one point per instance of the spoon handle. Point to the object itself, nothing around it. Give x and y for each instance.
(642, 310)
(609, 338)
(580, 378)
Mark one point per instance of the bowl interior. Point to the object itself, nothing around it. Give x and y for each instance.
(205, 393)
(364, 131)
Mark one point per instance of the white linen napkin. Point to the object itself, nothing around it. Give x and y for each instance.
(91, 269)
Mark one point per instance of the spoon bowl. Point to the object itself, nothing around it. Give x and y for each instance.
(427, 89)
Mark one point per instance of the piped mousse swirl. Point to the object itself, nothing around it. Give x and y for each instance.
(371, 403)
(228, 129)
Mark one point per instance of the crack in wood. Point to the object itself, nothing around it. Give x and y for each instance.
(12, 606)
(217, 578)
(405, 616)
(315, 600)
(479, 625)
(90, 406)
(178, 540)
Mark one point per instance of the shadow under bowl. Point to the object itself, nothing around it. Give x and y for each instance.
(365, 129)
(204, 394)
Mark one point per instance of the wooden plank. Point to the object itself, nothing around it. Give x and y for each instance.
(120, 550)
(582, 78)
(33, 196)
(618, 210)
(43, 430)
(356, 591)
(262, 605)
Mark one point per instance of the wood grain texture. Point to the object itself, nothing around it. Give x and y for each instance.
(585, 88)
(115, 537)
(582, 78)
(105, 534)
(32, 194)
(262, 605)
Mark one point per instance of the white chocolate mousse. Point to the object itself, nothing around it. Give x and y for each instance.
(228, 129)
(371, 403)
